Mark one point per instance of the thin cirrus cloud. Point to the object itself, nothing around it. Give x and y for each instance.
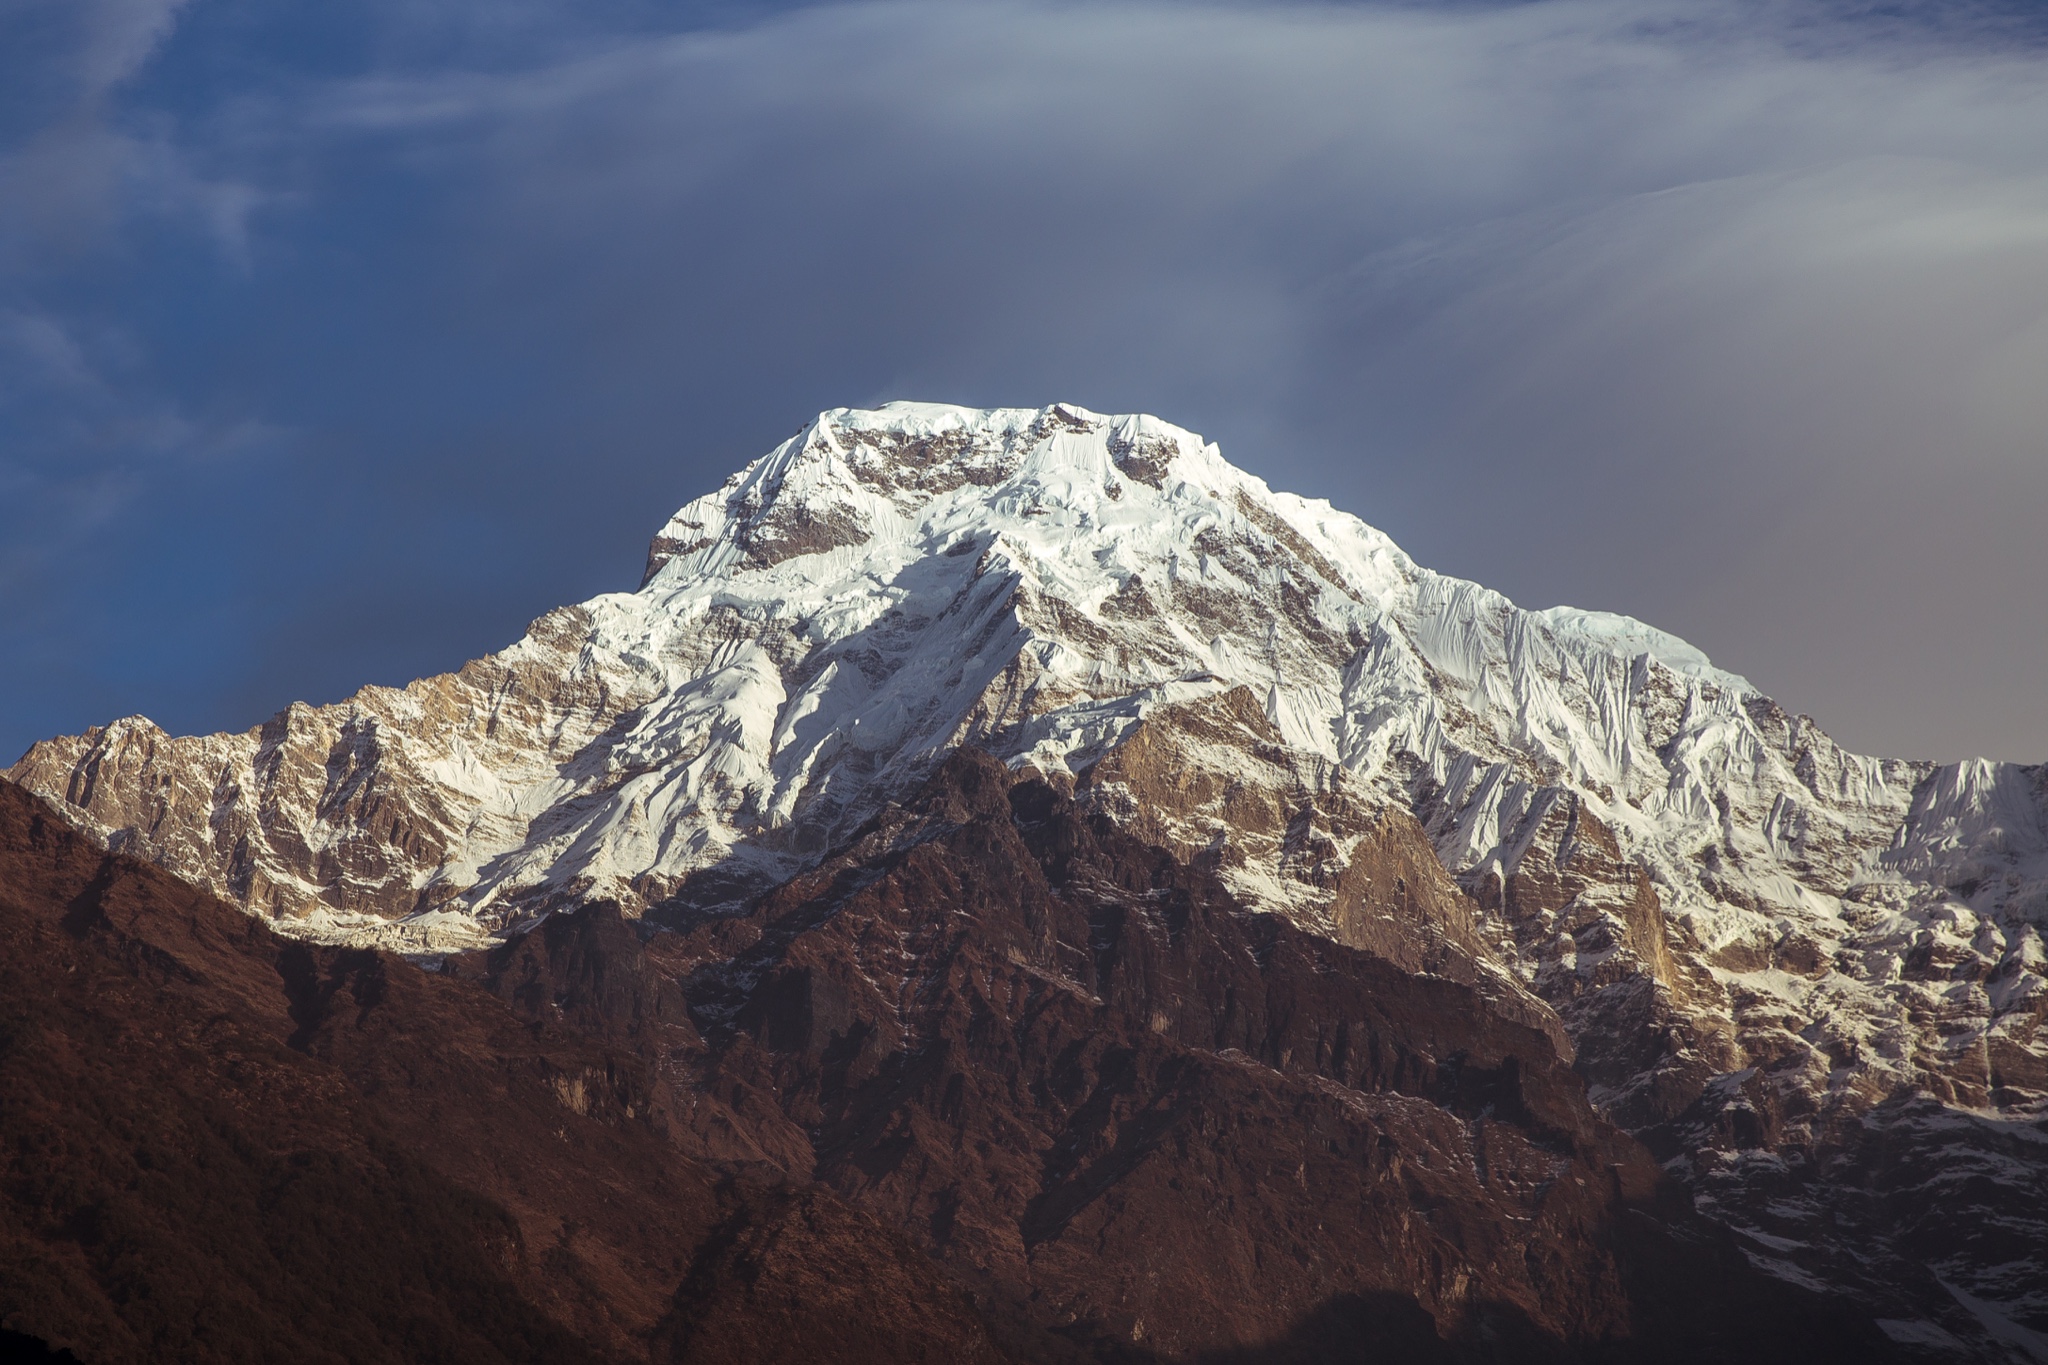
(1727, 316)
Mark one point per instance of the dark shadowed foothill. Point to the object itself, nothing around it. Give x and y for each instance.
(1077, 1107)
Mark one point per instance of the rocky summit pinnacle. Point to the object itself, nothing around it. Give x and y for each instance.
(1811, 981)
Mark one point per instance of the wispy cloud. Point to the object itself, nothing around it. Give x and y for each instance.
(1724, 314)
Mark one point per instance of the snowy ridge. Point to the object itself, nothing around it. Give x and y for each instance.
(888, 584)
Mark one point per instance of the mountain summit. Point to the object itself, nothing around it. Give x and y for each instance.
(1812, 981)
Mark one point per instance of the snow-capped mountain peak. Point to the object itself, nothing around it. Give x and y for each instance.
(1725, 912)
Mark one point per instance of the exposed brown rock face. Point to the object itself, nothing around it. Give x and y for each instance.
(995, 1044)
(1589, 927)
(1212, 782)
(217, 1145)
(1071, 1068)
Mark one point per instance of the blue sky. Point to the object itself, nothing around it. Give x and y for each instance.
(337, 342)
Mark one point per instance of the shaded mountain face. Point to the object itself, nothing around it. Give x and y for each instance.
(222, 1145)
(1812, 982)
(806, 1133)
(1084, 1077)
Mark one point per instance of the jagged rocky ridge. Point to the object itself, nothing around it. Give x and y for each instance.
(1772, 959)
